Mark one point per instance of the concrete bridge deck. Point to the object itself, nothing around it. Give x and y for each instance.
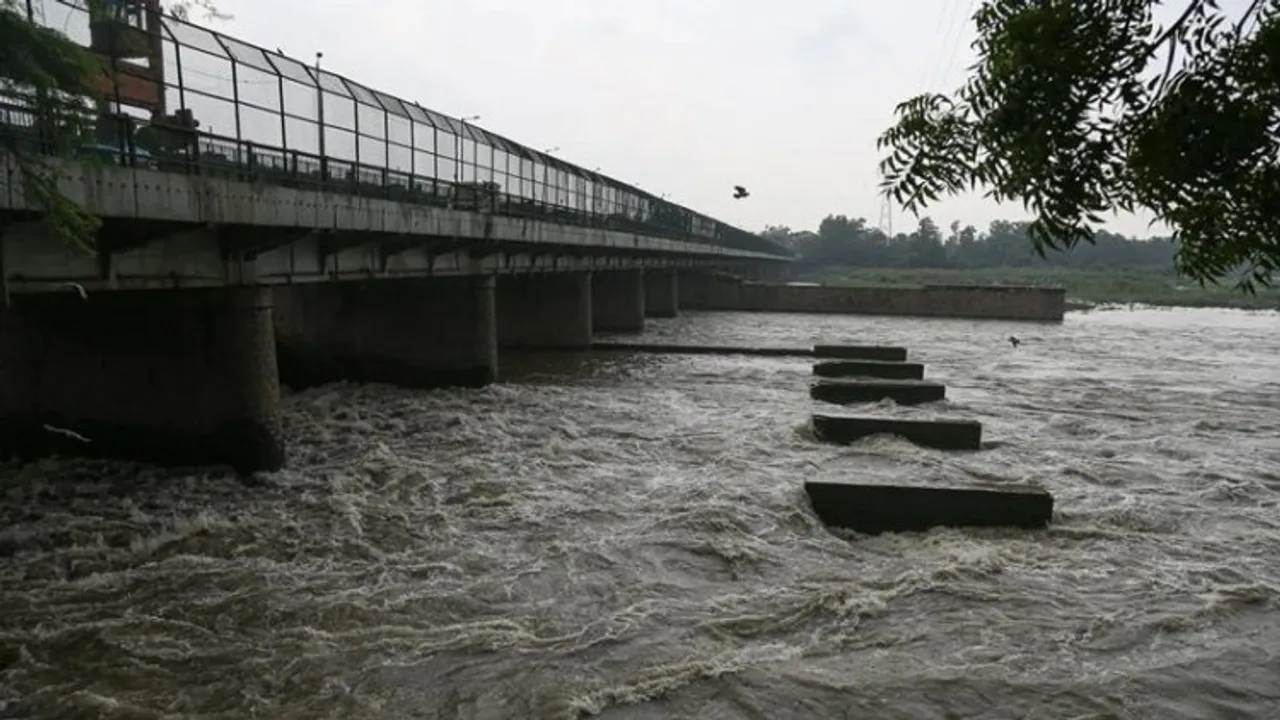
(166, 230)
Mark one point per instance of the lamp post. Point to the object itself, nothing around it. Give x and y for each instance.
(320, 117)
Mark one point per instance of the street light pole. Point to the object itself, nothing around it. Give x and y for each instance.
(320, 111)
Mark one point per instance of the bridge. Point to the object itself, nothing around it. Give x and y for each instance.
(336, 232)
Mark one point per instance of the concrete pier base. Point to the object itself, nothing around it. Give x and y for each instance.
(940, 434)
(550, 310)
(869, 368)
(661, 293)
(421, 333)
(175, 377)
(847, 391)
(617, 301)
(874, 509)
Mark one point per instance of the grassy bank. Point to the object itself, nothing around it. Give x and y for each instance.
(1149, 286)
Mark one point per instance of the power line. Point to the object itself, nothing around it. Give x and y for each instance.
(955, 43)
(928, 66)
(940, 43)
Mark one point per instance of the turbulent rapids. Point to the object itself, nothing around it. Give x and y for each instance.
(626, 536)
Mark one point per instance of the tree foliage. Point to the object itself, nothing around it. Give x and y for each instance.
(1078, 108)
(44, 69)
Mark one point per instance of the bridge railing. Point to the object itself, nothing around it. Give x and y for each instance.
(204, 102)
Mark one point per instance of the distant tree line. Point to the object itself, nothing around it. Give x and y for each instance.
(841, 240)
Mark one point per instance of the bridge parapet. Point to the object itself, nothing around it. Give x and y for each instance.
(165, 230)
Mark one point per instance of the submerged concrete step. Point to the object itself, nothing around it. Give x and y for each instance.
(869, 368)
(847, 391)
(875, 509)
(861, 352)
(940, 434)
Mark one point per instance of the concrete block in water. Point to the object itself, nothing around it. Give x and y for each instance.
(940, 434)
(861, 352)
(846, 391)
(869, 368)
(875, 509)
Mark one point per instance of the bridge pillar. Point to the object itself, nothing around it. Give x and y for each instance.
(617, 300)
(545, 310)
(419, 333)
(710, 291)
(167, 376)
(661, 293)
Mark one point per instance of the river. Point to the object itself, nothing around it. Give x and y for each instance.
(628, 537)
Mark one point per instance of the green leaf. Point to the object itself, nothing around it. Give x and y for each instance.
(1063, 112)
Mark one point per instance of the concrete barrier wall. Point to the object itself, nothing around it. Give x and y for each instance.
(718, 292)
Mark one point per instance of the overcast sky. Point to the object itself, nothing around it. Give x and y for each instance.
(681, 97)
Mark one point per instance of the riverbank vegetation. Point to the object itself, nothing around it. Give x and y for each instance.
(1111, 269)
(1084, 286)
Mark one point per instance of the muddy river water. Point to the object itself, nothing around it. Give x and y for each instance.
(627, 536)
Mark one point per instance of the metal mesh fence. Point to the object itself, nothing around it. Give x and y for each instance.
(181, 97)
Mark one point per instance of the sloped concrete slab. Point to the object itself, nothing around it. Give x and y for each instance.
(940, 434)
(869, 368)
(845, 391)
(861, 352)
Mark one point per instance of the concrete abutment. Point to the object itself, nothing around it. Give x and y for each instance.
(174, 377)
(419, 333)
